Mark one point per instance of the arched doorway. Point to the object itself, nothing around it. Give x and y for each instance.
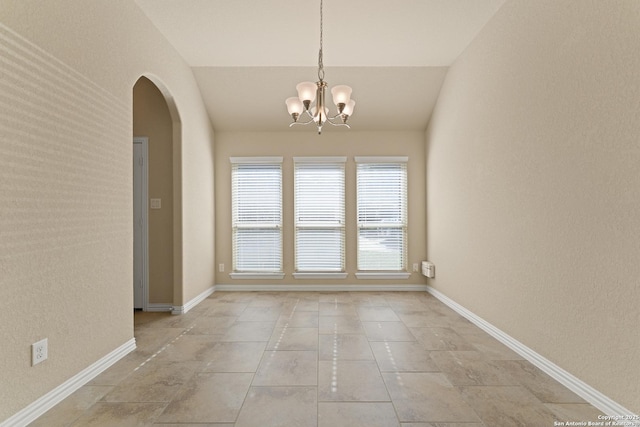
(157, 259)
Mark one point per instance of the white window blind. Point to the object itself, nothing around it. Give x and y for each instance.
(382, 213)
(257, 214)
(319, 214)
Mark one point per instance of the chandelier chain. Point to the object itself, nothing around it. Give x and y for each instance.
(320, 61)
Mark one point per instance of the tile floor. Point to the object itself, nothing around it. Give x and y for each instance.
(268, 359)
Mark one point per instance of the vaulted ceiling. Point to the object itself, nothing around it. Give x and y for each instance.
(247, 56)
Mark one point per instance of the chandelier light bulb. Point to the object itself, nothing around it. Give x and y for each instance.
(316, 116)
(341, 94)
(307, 91)
(294, 105)
(348, 109)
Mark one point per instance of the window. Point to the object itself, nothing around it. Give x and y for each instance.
(319, 216)
(257, 215)
(382, 213)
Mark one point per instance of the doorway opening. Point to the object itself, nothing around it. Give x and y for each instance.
(157, 255)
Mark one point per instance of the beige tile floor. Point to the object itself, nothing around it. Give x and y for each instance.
(318, 359)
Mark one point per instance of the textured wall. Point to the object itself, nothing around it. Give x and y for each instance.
(350, 144)
(65, 220)
(151, 118)
(534, 185)
(67, 70)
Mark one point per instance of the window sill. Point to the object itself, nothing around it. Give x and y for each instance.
(320, 275)
(256, 275)
(383, 275)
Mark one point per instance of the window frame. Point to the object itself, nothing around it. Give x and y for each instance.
(402, 225)
(333, 162)
(236, 224)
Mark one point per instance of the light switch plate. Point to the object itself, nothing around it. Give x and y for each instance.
(155, 203)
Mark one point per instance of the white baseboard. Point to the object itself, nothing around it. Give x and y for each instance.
(159, 307)
(182, 309)
(58, 394)
(588, 393)
(320, 288)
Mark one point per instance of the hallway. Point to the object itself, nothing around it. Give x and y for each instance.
(374, 359)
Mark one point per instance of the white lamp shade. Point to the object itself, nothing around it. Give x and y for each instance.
(348, 109)
(315, 116)
(307, 91)
(341, 94)
(294, 105)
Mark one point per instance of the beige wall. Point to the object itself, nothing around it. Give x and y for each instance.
(534, 185)
(151, 118)
(68, 71)
(301, 143)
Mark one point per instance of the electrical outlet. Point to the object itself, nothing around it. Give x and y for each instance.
(415, 268)
(39, 352)
(221, 268)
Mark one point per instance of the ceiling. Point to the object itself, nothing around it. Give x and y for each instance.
(247, 56)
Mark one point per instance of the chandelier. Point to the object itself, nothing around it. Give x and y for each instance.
(308, 92)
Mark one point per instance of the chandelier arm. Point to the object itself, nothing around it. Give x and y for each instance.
(327, 120)
(338, 124)
(301, 123)
(337, 116)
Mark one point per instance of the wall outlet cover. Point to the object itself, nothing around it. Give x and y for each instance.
(39, 352)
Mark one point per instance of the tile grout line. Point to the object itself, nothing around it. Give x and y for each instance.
(385, 343)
